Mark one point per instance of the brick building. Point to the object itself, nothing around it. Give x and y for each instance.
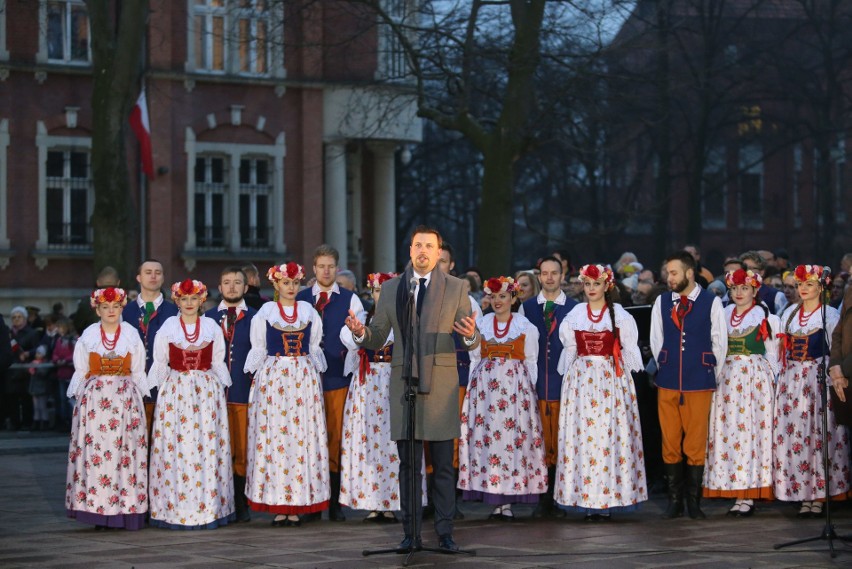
(272, 133)
(743, 107)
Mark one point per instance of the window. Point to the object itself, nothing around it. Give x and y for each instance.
(4, 53)
(255, 191)
(714, 190)
(392, 59)
(211, 188)
(751, 186)
(4, 209)
(65, 32)
(236, 37)
(238, 198)
(66, 191)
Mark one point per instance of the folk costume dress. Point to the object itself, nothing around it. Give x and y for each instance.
(739, 446)
(797, 429)
(600, 468)
(501, 449)
(287, 470)
(191, 470)
(369, 474)
(107, 478)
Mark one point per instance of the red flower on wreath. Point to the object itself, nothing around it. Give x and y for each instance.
(109, 294)
(592, 272)
(801, 273)
(494, 285)
(187, 286)
(293, 269)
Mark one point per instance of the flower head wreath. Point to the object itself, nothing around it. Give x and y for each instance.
(375, 280)
(500, 284)
(743, 277)
(291, 270)
(594, 273)
(189, 287)
(817, 273)
(108, 294)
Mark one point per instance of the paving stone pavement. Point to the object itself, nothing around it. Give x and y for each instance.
(34, 532)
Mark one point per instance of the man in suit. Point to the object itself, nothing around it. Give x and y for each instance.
(441, 308)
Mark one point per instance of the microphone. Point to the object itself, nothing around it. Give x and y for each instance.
(826, 276)
(412, 285)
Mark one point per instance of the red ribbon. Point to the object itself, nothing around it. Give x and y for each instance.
(782, 348)
(363, 366)
(679, 312)
(763, 331)
(616, 356)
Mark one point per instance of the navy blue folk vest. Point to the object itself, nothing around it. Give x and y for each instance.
(236, 352)
(132, 314)
(549, 384)
(333, 319)
(687, 363)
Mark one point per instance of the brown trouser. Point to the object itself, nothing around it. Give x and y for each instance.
(335, 401)
(238, 425)
(684, 426)
(549, 411)
(150, 409)
(462, 391)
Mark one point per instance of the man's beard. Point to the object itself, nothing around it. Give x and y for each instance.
(232, 299)
(681, 286)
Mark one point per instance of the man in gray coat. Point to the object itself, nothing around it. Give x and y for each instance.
(442, 307)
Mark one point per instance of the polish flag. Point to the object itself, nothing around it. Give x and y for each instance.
(142, 128)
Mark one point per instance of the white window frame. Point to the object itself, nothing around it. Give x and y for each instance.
(4, 53)
(716, 162)
(44, 144)
(42, 55)
(247, 189)
(232, 14)
(233, 153)
(4, 188)
(749, 165)
(391, 55)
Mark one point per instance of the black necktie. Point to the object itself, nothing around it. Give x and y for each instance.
(421, 294)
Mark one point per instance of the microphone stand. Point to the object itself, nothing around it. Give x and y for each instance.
(828, 532)
(414, 490)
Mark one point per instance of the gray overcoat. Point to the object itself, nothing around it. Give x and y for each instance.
(437, 412)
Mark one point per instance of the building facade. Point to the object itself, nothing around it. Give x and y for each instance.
(275, 127)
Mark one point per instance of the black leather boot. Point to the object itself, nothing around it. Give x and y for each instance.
(694, 480)
(240, 500)
(335, 513)
(674, 479)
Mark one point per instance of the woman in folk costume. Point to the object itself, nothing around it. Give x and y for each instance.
(600, 468)
(369, 476)
(797, 429)
(287, 470)
(107, 481)
(191, 480)
(739, 446)
(501, 448)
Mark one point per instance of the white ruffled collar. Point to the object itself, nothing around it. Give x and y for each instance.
(517, 326)
(271, 314)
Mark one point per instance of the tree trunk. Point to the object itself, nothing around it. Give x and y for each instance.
(496, 219)
(118, 30)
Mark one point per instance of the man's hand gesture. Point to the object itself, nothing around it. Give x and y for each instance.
(355, 326)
